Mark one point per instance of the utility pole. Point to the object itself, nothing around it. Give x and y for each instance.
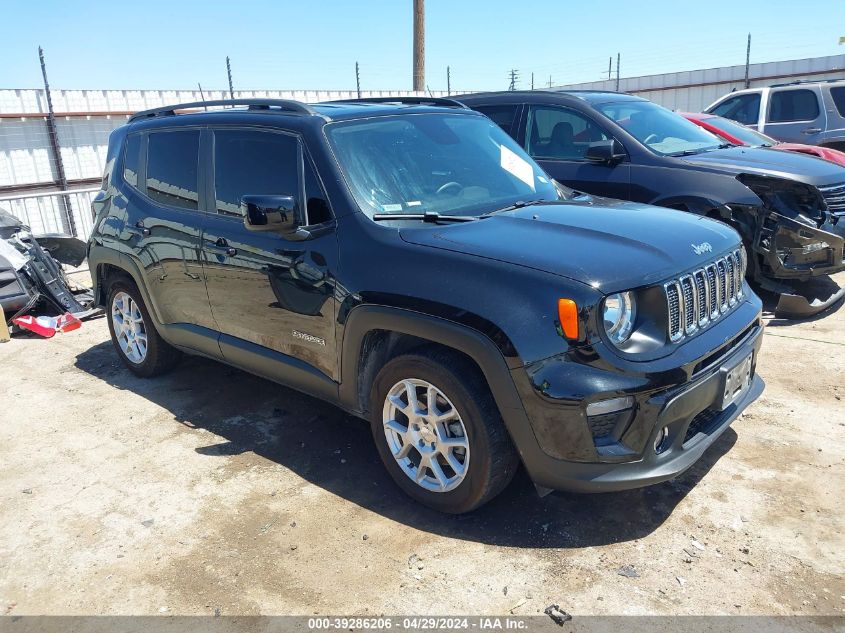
(70, 224)
(448, 82)
(229, 72)
(514, 74)
(532, 81)
(357, 80)
(609, 66)
(419, 45)
(747, 61)
(618, 61)
(550, 81)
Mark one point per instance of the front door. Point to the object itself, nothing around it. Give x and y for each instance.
(557, 138)
(268, 292)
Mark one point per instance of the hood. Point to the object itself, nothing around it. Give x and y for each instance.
(769, 162)
(607, 244)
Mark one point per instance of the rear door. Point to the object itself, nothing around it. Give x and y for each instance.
(795, 115)
(557, 138)
(268, 292)
(164, 220)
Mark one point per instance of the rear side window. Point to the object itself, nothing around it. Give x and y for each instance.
(838, 95)
(793, 105)
(502, 115)
(131, 159)
(172, 168)
(253, 162)
(744, 109)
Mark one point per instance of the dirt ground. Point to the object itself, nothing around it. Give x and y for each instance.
(210, 491)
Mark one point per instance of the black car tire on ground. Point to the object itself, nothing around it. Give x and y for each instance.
(493, 459)
(160, 356)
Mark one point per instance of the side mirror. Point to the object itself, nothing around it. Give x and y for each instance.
(269, 213)
(607, 152)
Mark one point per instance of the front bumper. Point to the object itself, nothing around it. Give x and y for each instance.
(794, 251)
(689, 409)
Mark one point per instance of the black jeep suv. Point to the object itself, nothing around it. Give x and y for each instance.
(789, 208)
(409, 263)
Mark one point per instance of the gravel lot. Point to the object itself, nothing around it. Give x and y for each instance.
(211, 491)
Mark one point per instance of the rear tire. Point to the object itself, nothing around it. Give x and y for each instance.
(133, 334)
(454, 456)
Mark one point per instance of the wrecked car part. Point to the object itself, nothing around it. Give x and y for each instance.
(48, 326)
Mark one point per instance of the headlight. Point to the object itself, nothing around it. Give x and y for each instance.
(620, 310)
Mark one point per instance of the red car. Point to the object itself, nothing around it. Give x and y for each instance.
(739, 134)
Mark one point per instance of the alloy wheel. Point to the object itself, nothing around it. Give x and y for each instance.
(426, 435)
(129, 328)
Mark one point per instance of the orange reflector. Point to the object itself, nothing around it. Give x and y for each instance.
(567, 311)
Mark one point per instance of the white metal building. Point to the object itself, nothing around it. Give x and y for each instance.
(694, 90)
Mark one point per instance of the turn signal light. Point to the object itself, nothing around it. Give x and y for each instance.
(567, 312)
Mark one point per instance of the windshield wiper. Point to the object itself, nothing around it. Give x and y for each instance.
(428, 216)
(519, 204)
(687, 152)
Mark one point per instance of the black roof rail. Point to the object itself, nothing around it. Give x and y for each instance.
(798, 82)
(287, 105)
(439, 101)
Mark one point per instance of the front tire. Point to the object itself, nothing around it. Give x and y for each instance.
(133, 334)
(439, 432)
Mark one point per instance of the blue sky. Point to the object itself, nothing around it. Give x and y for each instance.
(288, 45)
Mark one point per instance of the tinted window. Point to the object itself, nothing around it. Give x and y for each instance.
(743, 108)
(316, 203)
(172, 168)
(793, 105)
(838, 95)
(560, 133)
(251, 162)
(131, 159)
(502, 115)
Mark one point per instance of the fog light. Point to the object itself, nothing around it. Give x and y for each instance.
(604, 407)
(661, 442)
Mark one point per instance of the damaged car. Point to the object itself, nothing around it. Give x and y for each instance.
(789, 208)
(32, 279)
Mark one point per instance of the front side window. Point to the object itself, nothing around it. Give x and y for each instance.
(456, 164)
(253, 162)
(793, 105)
(172, 168)
(560, 133)
(743, 108)
(662, 131)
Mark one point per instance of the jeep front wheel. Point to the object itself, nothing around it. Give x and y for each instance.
(439, 433)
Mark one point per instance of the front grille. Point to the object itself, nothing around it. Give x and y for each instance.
(834, 196)
(702, 423)
(695, 300)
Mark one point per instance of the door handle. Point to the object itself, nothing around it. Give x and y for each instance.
(221, 246)
(139, 229)
(811, 130)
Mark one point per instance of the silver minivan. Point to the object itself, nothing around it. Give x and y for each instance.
(798, 112)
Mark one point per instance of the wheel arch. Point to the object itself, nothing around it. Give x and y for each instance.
(108, 265)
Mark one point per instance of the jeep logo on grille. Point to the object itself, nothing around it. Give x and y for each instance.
(704, 247)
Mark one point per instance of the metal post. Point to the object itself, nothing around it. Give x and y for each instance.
(532, 81)
(609, 66)
(357, 80)
(748, 61)
(618, 61)
(550, 81)
(68, 222)
(448, 81)
(419, 45)
(229, 72)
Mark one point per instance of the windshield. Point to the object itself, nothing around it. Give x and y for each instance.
(442, 163)
(661, 130)
(744, 134)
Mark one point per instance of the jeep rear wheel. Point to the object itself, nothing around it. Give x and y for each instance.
(439, 432)
(133, 334)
